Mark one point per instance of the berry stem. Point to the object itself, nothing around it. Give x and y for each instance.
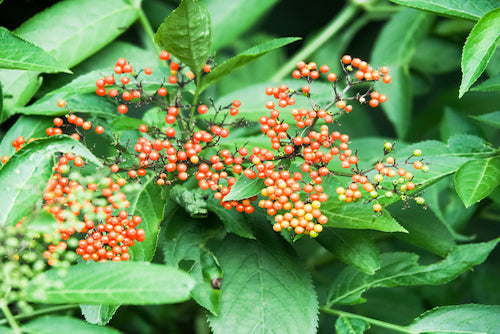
(375, 322)
(10, 318)
(340, 20)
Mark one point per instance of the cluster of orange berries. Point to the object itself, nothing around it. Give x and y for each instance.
(109, 229)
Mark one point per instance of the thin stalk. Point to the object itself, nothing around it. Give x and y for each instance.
(148, 30)
(374, 322)
(42, 311)
(332, 28)
(9, 317)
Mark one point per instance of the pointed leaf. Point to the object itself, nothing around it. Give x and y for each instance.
(243, 58)
(245, 188)
(492, 119)
(469, 9)
(25, 176)
(477, 178)
(185, 33)
(49, 324)
(479, 47)
(17, 53)
(128, 283)
(355, 248)
(234, 221)
(466, 319)
(265, 288)
(345, 325)
(28, 127)
(402, 269)
(98, 314)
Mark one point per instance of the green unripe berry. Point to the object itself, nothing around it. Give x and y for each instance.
(342, 197)
(374, 194)
(425, 168)
(313, 234)
(389, 194)
(417, 153)
(420, 200)
(401, 179)
(387, 146)
(404, 197)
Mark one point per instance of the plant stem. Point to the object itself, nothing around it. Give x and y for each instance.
(375, 322)
(9, 317)
(148, 29)
(332, 28)
(41, 311)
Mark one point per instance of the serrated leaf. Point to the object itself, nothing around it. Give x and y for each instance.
(479, 47)
(266, 277)
(128, 283)
(82, 28)
(469, 9)
(185, 241)
(231, 19)
(25, 176)
(477, 178)
(28, 127)
(244, 188)
(17, 53)
(345, 325)
(402, 269)
(492, 118)
(98, 314)
(191, 200)
(355, 248)
(243, 58)
(49, 324)
(149, 203)
(466, 318)
(234, 221)
(185, 33)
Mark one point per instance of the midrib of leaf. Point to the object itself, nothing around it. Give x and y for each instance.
(356, 252)
(483, 172)
(192, 55)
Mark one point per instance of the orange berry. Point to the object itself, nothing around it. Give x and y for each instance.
(346, 59)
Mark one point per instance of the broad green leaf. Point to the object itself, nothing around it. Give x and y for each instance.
(191, 200)
(128, 283)
(468, 9)
(149, 203)
(492, 119)
(185, 33)
(425, 55)
(243, 58)
(25, 176)
(345, 325)
(395, 47)
(82, 28)
(479, 47)
(234, 221)
(17, 53)
(488, 85)
(355, 248)
(231, 18)
(244, 188)
(402, 269)
(184, 241)
(358, 216)
(125, 123)
(466, 144)
(49, 324)
(264, 276)
(5, 330)
(454, 122)
(28, 127)
(79, 103)
(466, 318)
(98, 314)
(477, 178)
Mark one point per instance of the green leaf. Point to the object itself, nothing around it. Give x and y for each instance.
(17, 53)
(355, 248)
(243, 58)
(191, 200)
(488, 85)
(395, 47)
(492, 118)
(425, 55)
(477, 178)
(149, 203)
(454, 122)
(358, 216)
(128, 283)
(471, 10)
(185, 242)
(264, 276)
(479, 47)
(234, 221)
(244, 188)
(402, 269)
(25, 176)
(49, 324)
(466, 318)
(231, 19)
(98, 314)
(185, 33)
(345, 325)
(28, 127)
(83, 27)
